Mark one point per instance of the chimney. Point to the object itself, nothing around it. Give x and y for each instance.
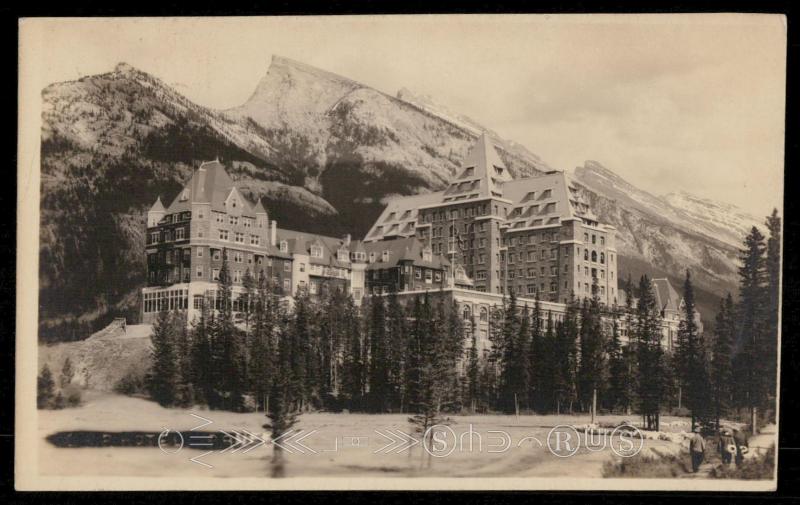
(273, 233)
(347, 239)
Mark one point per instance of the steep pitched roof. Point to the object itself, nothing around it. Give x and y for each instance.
(402, 249)
(301, 242)
(483, 174)
(211, 184)
(666, 296)
(158, 206)
(259, 207)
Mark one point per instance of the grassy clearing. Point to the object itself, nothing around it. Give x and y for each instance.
(648, 466)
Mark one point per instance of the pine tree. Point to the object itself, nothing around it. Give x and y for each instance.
(264, 320)
(592, 348)
(534, 356)
(396, 336)
(330, 338)
(201, 359)
(413, 370)
(565, 352)
(285, 390)
(67, 371)
(721, 376)
(353, 366)
(184, 392)
(44, 388)
(692, 371)
(473, 386)
(303, 369)
(773, 274)
(161, 381)
(378, 359)
(651, 372)
(511, 364)
(619, 378)
(749, 366)
(226, 353)
(438, 359)
(247, 297)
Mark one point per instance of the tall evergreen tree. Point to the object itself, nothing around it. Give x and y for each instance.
(651, 379)
(285, 392)
(228, 374)
(750, 363)
(721, 373)
(262, 342)
(396, 345)
(473, 388)
(161, 380)
(512, 365)
(691, 370)
(565, 351)
(773, 274)
(619, 377)
(184, 391)
(201, 360)
(303, 367)
(353, 360)
(592, 348)
(535, 355)
(378, 358)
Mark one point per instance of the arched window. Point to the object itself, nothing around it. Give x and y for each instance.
(594, 256)
(467, 313)
(586, 254)
(484, 314)
(603, 258)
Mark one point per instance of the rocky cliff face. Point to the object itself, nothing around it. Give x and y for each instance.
(323, 150)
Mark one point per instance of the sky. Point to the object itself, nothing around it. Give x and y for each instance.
(691, 103)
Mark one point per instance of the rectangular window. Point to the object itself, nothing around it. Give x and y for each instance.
(179, 233)
(215, 274)
(154, 237)
(234, 220)
(287, 267)
(316, 251)
(220, 217)
(302, 267)
(286, 285)
(223, 234)
(238, 257)
(239, 237)
(199, 252)
(199, 271)
(237, 276)
(255, 240)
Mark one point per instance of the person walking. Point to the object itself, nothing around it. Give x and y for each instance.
(697, 448)
(727, 447)
(740, 439)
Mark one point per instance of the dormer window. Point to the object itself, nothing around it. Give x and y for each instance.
(385, 256)
(284, 247)
(372, 257)
(498, 170)
(427, 254)
(547, 193)
(316, 251)
(184, 195)
(469, 172)
(343, 255)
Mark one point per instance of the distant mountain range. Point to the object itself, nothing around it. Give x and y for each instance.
(324, 151)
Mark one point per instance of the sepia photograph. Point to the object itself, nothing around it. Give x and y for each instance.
(456, 252)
